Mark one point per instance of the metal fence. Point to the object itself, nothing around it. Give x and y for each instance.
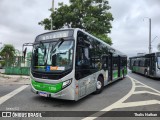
(17, 70)
(19, 66)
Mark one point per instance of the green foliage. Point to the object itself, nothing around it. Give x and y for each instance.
(7, 53)
(92, 16)
(2, 63)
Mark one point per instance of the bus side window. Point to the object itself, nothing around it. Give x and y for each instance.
(139, 63)
(79, 56)
(146, 62)
(82, 57)
(115, 63)
(134, 63)
(86, 56)
(105, 62)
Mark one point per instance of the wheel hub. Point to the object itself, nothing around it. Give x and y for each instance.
(99, 85)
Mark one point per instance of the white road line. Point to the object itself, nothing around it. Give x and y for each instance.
(140, 86)
(150, 87)
(138, 103)
(92, 117)
(11, 94)
(142, 92)
(136, 81)
(120, 104)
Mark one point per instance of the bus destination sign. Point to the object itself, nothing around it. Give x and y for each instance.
(53, 35)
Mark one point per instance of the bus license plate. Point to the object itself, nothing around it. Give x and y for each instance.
(43, 94)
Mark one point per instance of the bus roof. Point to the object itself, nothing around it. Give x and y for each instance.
(145, 55)
(112, 50)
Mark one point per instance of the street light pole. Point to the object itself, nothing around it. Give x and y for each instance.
(150, 36)
(52, 10)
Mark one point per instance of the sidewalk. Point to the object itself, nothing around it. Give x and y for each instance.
(14, 79)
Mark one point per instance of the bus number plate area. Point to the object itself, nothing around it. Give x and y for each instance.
(43, 94)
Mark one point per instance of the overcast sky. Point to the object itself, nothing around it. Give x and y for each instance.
(19, 22)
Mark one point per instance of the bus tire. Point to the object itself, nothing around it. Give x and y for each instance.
(99, 85)
(146, 73)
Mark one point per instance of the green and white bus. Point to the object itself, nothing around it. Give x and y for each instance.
(71, 64)
(147, 64)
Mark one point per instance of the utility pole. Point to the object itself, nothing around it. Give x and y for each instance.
(150, 36)
(52, 10)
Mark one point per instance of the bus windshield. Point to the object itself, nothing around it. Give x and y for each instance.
(53, 56)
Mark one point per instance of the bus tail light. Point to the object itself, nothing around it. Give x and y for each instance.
(66, 83)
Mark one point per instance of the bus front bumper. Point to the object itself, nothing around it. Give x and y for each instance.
(66, 93)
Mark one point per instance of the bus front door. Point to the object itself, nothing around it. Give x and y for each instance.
(87, 84)
(119, 66)
(110, 67)
(152, 65)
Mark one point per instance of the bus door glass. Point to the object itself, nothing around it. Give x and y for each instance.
(152, 65)
(119, 66)
(110, 69)
(115, 67)
(105, 65)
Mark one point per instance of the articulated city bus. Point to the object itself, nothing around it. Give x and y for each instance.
(71, 64)
(148, 64)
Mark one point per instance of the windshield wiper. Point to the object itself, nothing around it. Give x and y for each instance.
(59, 42)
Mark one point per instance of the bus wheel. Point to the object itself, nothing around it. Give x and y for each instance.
(100, 85)
(146, 73)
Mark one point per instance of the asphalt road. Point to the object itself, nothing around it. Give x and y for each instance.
(134, 93)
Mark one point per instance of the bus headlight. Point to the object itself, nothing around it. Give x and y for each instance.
(66, 83)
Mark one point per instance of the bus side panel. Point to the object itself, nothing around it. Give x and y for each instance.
(110, 69)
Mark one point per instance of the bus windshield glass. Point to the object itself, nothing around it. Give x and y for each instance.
(53, 56)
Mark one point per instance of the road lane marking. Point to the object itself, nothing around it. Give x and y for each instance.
(140, 86)
(136, 81)
(150, 87)
(143, 92)
(100, 113)
(138, 103)
(120, 103)
(11, 94)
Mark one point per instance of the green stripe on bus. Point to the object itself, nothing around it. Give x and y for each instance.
(125, 71)
(115, 74)
(53, 88)
(135, 68)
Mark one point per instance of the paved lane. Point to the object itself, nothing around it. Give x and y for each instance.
(134, 93)
(25, 100)
(5, 89)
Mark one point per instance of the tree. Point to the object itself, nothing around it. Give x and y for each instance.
(7, 53)
(92, 16)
